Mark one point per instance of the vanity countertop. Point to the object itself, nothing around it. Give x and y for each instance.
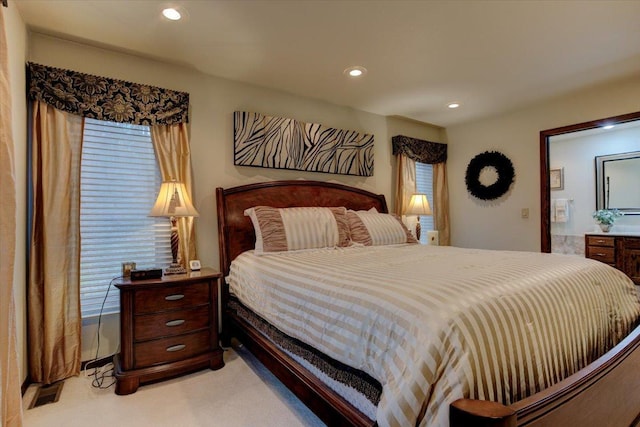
(622, 231)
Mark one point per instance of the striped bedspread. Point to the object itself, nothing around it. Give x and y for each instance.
(434, 324)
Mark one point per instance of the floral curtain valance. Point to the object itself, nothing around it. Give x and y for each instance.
(419, 150)
(103, 98)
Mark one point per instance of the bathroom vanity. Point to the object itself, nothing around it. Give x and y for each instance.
(621, 251)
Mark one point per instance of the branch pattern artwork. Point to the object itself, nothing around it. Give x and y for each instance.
(281, 143)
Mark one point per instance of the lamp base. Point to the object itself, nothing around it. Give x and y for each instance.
(175, 268)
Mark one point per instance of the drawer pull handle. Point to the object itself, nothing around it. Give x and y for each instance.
(174, 297)
(601, 254)
(599, 241)
(176, 347)
(176, 322)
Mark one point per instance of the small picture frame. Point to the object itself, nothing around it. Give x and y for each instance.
(194, 265)
(127, 267)
(556, 178)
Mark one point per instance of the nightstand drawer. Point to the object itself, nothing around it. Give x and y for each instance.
(170, 349)
(602, 253)
(170, 297)
(600, 241)
(167, 323)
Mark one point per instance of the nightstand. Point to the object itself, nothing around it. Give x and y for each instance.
(168, 327)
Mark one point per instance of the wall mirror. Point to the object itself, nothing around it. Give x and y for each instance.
(617, 182)
(545, 197)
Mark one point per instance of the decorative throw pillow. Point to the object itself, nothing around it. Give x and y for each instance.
(288, 229)
(375, 229)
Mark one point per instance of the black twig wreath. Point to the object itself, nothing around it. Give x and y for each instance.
(504, 169)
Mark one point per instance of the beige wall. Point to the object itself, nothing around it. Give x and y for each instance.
(17, 44)
(213, 101)
(499, 225)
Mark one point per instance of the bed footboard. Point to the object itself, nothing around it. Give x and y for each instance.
(605, 393)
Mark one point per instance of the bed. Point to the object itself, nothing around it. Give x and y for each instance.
(604, 392)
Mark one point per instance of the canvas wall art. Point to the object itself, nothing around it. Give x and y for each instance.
(283, 143)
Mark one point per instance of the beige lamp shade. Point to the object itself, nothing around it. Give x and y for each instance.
(418, 205)
(173, 201)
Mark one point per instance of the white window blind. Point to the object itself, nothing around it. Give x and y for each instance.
(424, 185)
(119, 182)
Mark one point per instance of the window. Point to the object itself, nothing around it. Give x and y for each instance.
(119, 181)
(424, 185)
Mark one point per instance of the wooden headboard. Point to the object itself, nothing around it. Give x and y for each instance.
(235, 231)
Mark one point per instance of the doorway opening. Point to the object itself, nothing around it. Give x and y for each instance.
(568, 178)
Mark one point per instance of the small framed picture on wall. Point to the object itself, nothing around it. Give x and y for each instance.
(556, 178)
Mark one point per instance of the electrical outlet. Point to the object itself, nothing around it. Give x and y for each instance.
(524, 213)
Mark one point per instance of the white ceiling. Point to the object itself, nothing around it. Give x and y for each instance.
(491, 56)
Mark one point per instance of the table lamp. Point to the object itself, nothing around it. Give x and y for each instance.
(418, 205)
(173, 202)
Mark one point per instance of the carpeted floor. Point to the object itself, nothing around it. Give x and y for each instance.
(242, 394)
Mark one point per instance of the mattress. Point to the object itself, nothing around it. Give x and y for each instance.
(434, 324)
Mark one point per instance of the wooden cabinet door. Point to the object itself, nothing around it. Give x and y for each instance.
(631, 258)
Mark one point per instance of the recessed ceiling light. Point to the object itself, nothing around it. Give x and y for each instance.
(171, 13)
(453, 105)
(608, 127)
(356, 71)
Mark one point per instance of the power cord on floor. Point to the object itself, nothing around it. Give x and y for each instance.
(102, 373)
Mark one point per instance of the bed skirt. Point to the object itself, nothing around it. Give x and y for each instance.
(355, 386)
